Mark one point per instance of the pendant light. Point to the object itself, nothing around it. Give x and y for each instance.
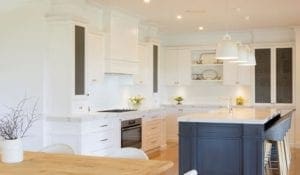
(243, 53)
(226, 48)
(251, 61)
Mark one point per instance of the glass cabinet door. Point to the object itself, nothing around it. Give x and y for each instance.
(284, 75)
(263, 76)
(274, 75)
(79, 60)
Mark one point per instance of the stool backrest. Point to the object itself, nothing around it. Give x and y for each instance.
(279, 129)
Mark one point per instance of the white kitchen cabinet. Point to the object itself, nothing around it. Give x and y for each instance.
(233, 74)
(95, 137)
(121, 43)
(177, 66)
(145, 66)
(95, 57)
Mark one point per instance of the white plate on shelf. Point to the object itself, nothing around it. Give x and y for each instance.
(208, 58)
(210, 74)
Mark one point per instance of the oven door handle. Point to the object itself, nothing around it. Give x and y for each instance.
(129, 128)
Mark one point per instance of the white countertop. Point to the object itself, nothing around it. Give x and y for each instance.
(254, 115)
(80, 117)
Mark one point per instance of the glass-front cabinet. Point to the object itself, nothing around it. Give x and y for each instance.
(274, 75)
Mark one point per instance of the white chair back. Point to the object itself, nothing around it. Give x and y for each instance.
(130, 153)
(58, 149)
(191, 172)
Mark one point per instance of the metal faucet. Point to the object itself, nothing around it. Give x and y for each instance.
(229, 105)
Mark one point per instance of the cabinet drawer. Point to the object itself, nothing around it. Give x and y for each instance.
(151, 143)
(97, 126)
(152, 131)
(97, 141)
(153, 124)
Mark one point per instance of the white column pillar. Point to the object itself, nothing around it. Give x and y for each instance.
(297, 88)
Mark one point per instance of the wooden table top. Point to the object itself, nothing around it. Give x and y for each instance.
(57, 164)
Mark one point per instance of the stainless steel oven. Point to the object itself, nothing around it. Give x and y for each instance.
(131, 133)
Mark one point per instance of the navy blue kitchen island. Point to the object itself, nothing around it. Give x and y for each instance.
(223, 143)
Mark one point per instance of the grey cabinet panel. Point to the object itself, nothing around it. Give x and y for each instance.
(284, 75)
(79, 60)
(155, 68)
(263, 76)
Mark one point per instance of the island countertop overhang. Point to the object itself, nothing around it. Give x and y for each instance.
(253, 115)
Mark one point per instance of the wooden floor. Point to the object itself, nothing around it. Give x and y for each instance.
(171, 153)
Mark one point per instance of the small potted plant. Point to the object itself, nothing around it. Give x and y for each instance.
(179, 100)
(136, 101)
(13, 127)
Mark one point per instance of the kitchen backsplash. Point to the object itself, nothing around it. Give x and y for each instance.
(115, 90)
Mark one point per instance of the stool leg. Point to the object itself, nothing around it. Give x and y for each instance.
(288, 150)
(282, 161)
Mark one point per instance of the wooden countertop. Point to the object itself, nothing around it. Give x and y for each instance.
(57, 164)
(254, 115)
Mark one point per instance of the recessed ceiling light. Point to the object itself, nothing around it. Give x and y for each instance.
(147, 1)
(247, 18)
(201, 28)
(179, 17)
(238, 9)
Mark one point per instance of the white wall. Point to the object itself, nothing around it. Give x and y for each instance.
(210, 93)
(22, 52)
(115, 91)
(297, 116)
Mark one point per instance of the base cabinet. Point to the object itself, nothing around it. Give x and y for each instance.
(215, 149)
(97, 137)
(153, 134)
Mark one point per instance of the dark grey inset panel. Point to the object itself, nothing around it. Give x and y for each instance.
(263, 76)
(155, 68)
(284, 75)
(79, 60)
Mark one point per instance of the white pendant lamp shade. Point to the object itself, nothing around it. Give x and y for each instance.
(227, 49)
(243, 54)
(251, 60)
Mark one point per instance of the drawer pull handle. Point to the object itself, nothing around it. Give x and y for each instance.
(153, 128)
(103, 140)
(102, 126)
(153, 141)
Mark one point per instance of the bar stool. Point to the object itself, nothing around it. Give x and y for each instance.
(276, 135)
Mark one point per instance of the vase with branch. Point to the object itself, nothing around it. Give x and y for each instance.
(14, 125)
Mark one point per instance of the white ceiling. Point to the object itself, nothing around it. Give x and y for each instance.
(213, 15)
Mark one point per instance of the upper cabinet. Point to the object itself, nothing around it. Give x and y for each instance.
(145, 65)
(121, 51)
(274, 74)
(233, 74)
(95, 57)
(177, 66)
